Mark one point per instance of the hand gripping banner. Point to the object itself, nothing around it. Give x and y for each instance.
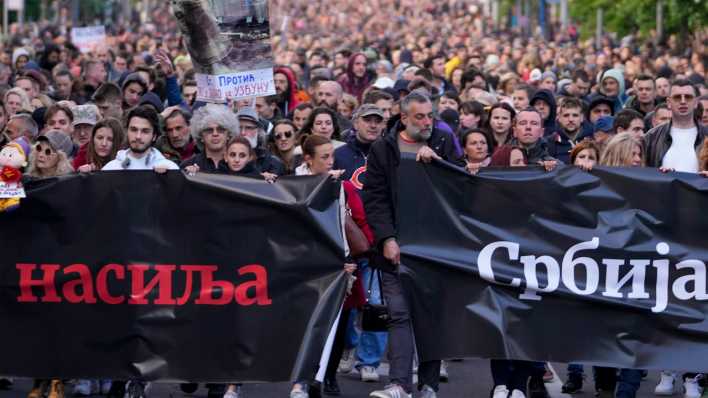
(606, 267)
(137, 275)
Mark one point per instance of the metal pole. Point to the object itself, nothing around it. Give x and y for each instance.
(495, 13)
(542, 17)
(564, 14)
(659, 20)
(598, 29)
(4, 19)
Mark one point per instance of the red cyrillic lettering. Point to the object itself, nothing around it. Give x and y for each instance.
(187, 285)
(47, 283)
(70, 288)
(260, 284)
(139, 290)
(102, 283)
(224, 289)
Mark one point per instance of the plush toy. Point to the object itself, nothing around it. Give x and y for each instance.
(13, 157)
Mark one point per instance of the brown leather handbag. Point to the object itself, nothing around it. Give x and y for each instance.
(358, 244)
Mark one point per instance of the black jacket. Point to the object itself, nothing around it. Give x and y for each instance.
(559, 145)
(549, 125)
(658, 141)
(267, 163)
(205, 164)
(535, 154)
(380, 194)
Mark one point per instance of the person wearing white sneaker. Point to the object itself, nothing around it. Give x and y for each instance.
(517, 394)
(444, 375)
(346, 364)
(428, 392)
(416, 134)
(391, 391)
(691, 388)
(369, 374)
(233, 391)
(667, 384)
(500, 392)
(82, 388)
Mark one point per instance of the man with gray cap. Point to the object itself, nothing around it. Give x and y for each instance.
(368, 127)
(85, 117)
(251, 128)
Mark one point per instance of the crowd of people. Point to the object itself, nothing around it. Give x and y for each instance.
(356, 86)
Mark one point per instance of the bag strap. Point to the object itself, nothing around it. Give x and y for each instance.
(376, 273)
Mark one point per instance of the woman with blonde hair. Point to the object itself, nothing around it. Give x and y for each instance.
(49, 158)
(623, 150)
(16, 100)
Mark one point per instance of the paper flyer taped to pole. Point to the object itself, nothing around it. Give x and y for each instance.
(229, 43)
(88, 38)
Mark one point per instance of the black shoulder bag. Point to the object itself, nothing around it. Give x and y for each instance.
(374, 317)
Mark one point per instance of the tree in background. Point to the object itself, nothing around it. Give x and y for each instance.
(639, 16)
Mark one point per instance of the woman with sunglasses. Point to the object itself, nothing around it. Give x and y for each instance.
(107, 137)
(49, 157)
(284, 138)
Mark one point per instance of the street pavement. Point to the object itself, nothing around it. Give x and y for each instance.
(468, 379)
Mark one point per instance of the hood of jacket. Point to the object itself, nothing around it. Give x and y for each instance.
(547, 97)
(292, 87)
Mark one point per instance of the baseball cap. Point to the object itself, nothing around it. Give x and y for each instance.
(368, 110)
(85, 114)
(535, 75)
(58, 141)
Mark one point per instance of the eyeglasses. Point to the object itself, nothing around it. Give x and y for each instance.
(286, 135)
(47, 151)
(684, 97)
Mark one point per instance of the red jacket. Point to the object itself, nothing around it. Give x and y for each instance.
(81, 157)
(354, 203)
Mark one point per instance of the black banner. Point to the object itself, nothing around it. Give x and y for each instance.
(606, 267)
(137, 275)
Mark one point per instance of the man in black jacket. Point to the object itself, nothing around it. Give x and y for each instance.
(415, 133)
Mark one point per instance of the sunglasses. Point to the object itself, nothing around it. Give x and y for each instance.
(47, 151)
(686, 97)
(286, 135)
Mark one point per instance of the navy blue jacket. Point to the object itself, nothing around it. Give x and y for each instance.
(352, 158)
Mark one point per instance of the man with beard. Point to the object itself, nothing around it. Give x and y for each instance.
(177, 143)
(286, 90)
(570, 118)
(414, 133)
(143, 128)
(328, 94)
(250, 127)
(212, 126)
